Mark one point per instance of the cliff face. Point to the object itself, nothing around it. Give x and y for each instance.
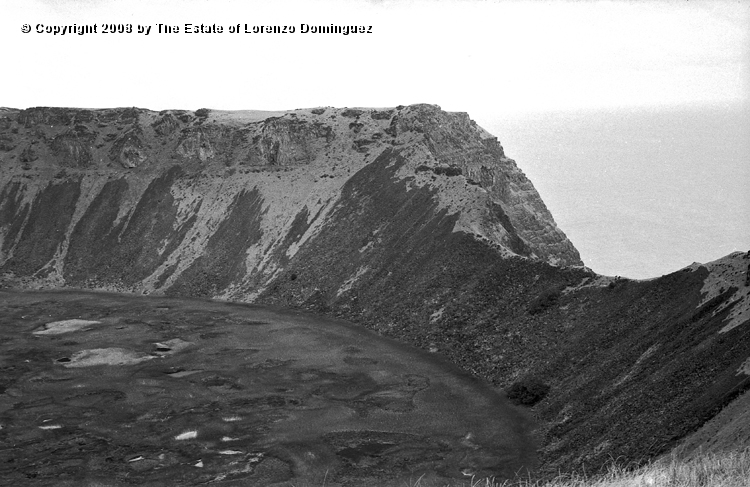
(411, 221)
(216, 203)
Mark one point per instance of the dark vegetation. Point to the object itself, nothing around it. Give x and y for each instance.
(440, 170)
(222, 263)
(126, 252)
(527, 392)
(546, 299)
(502, 317)
(48, 220)
(622, 371)
(12, 213)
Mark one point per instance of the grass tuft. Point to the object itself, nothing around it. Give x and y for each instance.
(711, 470)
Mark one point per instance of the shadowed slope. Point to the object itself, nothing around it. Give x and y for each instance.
(410, 221)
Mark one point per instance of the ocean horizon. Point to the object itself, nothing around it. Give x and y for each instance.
(640, 192)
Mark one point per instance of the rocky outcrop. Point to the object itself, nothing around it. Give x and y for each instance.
(73, 147)
(120, 158)
(409, 220)
(459, 143)
(128, 149)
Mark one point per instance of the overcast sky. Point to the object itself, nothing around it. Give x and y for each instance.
(474, 56)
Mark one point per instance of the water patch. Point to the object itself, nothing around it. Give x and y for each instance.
(184, 373)
(65, 326)
(188, 435)
(349, 380)
(106, 356)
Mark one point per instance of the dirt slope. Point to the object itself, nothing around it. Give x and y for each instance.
(408, 220)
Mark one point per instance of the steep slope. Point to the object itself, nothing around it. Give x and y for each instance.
(155, 197)
(410, 221)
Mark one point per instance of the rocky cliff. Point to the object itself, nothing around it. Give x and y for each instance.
(408, 220)
(218, 203)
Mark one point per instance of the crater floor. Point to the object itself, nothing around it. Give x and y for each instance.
(108, 389)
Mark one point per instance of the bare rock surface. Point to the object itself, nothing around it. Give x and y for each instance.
(157, 190)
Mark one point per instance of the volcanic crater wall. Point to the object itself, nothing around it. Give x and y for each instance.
(129, 199)
(408, 220)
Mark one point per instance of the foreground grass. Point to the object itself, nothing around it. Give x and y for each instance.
(726, 470)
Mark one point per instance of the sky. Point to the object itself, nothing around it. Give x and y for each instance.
(503, 62)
